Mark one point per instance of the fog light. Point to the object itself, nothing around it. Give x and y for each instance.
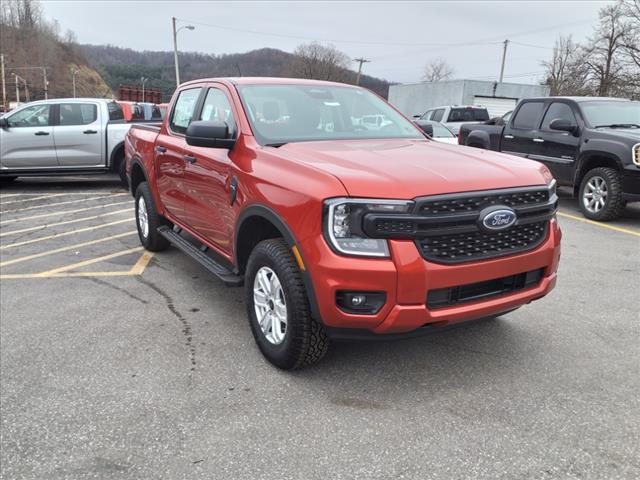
(363, 303)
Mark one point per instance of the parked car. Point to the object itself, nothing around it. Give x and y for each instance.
(62, 137)
(438, 131)
(343, 232)
(589, 143)
(455, 115)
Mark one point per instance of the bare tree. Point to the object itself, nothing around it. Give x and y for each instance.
(320, 62)
(438, 70)
(566, 72)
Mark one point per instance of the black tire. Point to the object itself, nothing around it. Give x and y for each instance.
(120, 167)
(7, 178)
(152, 241)
(305, 340)
(614, 203)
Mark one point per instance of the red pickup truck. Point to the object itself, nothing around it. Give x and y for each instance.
(339, 228)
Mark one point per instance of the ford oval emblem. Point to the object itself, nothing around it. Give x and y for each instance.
(498, 219)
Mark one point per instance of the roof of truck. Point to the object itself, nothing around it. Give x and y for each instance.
(579, 99)
(267, 81)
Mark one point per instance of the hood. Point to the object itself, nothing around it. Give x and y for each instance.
(632, 134)
(412, 168)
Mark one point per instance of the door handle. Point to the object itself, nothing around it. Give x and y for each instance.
(90, 132)
(189, 158)
(538, 140)
(40, 134)
(160, 149)
(509, 137)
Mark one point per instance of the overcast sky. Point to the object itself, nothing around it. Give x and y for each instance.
(398, 37)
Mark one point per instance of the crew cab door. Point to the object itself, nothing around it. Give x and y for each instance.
(559, 149)
(169, 153)
(27, 140)
(79, 135)
(522, 137)
(207, 176)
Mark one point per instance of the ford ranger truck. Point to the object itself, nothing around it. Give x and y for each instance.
(336, 229)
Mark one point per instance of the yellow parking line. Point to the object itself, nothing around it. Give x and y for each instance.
(67, 222)
(48, 205)
(141, 264)
(600, 224)
(84, 263)
(64, 249)
(64, 212)
(64, 234)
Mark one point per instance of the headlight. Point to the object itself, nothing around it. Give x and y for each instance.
(635, 154)
(343, 225)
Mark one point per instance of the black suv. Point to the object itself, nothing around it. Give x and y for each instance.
(589, 143)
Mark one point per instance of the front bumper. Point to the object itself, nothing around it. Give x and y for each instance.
(407, 278)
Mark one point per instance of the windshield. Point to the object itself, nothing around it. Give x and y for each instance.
(611, 113)
(295, 113)
(468, 114)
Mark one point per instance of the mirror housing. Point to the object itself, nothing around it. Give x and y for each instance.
(4, 123)
(563, 126)
(417, 116)
(426, 127)
(209, 134)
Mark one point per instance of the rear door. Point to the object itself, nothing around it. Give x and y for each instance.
(559, 149)
(169, 153)
(522, 137)
(207, 176)
(79, 135)
(27, 141)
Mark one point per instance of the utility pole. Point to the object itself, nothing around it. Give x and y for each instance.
(360, 61)
(18, 78)
(504, 58)
(46, 83)
(74, 71)
(143, 80)
(175, 46)
(4, 88)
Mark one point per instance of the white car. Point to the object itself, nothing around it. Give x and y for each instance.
(453, 116)
(63, 136)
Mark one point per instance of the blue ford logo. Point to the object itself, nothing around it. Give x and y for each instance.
(498, 219)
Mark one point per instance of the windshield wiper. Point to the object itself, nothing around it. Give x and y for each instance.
(620, 125)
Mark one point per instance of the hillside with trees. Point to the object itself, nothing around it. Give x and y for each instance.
(30, 44)
(126, 66)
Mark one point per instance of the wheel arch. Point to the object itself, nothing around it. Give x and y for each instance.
(138, 174)
(594, 159)
(116, 152)
(259, 222)
(478, 139)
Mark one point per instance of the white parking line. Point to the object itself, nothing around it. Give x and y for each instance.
(76, 220)
(61, 213)
(48, 205)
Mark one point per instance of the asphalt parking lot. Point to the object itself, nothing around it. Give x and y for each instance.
(116, 364)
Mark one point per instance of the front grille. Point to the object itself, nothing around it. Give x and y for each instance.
(448, 228)
(447, 297)
(478, 245)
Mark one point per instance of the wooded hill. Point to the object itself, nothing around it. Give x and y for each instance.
(126, 66)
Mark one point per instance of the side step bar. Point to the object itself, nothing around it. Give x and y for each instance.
(223, 273)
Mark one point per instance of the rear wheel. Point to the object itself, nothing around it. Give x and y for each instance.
(278, 308)
(148, 220)
(120, 169)
(601, 194)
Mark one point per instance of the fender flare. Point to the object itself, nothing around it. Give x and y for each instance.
(112, 156)
(259, 210)
(136, 161)
(479, 137)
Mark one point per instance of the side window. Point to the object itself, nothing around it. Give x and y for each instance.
(557, 111)
(528, 115)
(35, 116)
(115, 111)
(78, 113)
(426, 115)
(437, 115)
(183, 110)
(216, 108)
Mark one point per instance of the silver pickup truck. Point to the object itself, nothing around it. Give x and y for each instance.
(63, 137)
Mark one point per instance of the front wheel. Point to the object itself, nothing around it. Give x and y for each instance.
(148, 220)
(601, 194)
(278, 308)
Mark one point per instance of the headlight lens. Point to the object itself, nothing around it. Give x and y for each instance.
(343, 225)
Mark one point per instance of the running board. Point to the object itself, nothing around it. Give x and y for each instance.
(227, 276)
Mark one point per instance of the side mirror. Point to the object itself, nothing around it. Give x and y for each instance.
(563, 125)
(425, 127)
(417, 116)
(4, 123)
(209, 134)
